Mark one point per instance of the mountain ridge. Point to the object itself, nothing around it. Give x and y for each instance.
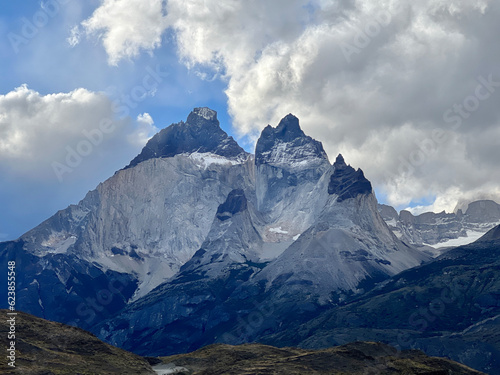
(203, 236)
(290, 237)
(443, 229)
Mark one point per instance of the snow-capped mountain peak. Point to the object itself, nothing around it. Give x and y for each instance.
(287, 146)
(200, 133)
(194, 219)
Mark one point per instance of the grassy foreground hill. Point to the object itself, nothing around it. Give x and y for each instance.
(49, 348)
(360, 358)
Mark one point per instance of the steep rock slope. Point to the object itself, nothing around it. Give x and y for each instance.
(140, 226)
(348, 244)
(449, 307)
(291, 174)
(179, 313)
(150, 219)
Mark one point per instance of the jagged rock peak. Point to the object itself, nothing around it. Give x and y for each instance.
(288, 129)
(347, 182)
(287, 144)
(339, 162)
(205, 112)
(200, 133)
(236, 202)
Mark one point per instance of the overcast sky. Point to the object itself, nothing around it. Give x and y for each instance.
(408, 91)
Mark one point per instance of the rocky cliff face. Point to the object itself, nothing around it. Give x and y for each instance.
(348, 244)
(443, 229)
(291, 171)
(197, 242)
(150, 218)
(135, 230)
(309, 233)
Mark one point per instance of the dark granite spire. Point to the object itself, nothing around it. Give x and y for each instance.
(347, 182)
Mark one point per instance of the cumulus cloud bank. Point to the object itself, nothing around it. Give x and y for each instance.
(47, 137)
(405, 90)
(35, 128)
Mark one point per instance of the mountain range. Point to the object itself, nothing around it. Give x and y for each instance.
(198, 242)
(443, 230)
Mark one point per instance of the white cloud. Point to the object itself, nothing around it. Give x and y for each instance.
(144, 131)
(371, 79)
(34, 127)
(75, 36)
(38, 130)
(127, 27)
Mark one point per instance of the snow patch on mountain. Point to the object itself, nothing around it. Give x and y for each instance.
(472, 236)
(206, 159)
(278, 230)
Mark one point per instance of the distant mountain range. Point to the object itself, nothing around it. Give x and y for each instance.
(198, 242)
(443, 229)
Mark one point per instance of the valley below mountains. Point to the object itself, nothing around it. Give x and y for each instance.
(197, 242)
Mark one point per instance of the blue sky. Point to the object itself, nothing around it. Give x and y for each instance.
(407, 92)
